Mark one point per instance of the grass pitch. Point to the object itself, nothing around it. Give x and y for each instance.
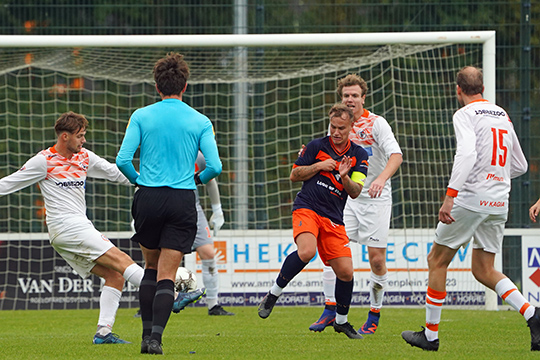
(192, 334)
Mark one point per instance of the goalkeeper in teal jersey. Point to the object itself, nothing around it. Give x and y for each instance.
(169, 134)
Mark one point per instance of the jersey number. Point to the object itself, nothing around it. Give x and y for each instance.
(498, 136)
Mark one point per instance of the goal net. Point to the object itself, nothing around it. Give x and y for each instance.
(265, 99)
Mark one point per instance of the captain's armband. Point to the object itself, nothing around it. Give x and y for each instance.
(358, 177)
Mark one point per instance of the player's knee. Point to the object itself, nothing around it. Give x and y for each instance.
(345, 275)
(378, 265)
(114, 279)
(306, 254)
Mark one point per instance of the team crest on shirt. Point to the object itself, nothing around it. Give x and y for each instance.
(361, 134)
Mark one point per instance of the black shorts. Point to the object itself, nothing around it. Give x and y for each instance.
(165, 218)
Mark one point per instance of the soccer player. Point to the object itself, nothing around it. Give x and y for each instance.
(61, 173)
(170, 134)
(488, 155)
(367, 218)
(332, 169)
(204, 243)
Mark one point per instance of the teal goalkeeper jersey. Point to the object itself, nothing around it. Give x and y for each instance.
(169, 134)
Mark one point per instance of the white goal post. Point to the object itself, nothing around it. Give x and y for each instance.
(267, 94)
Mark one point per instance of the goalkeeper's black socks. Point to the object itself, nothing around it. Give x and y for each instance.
(163, 303)
(147, 292)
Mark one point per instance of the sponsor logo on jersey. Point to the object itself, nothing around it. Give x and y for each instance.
(70, 184)
(492, 203)
(495, 178)
(489, 112)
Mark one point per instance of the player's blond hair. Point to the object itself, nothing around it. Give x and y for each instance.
(351, 80)
(339, 109)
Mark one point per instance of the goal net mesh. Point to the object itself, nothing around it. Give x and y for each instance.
(287, 91)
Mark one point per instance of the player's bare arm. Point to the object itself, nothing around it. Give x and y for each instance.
(353, 189)
(446, 208)
(303, 173)
(377, 186)
(533, 211)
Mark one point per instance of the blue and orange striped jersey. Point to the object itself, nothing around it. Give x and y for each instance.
(324, 192)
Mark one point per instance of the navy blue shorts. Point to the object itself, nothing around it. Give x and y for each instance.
(165, 218)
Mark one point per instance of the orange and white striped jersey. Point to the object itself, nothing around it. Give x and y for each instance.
(375, 135)
(62, 181)
(488, 156)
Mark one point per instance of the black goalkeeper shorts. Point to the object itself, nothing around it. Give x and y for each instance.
(165, 218)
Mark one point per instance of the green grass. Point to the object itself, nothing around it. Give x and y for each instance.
(192, 334)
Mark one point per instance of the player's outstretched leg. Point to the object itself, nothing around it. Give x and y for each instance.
(348, 330)
(419, 339)
(327, 319)
(370, 326)
(185, 298)
(266, 305)
(534, 326)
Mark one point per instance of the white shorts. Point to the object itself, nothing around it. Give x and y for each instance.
(204, 236)
(487, 230)
(367, 223)
(79, 243)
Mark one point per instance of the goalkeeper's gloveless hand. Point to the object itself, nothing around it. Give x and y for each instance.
(217, 219)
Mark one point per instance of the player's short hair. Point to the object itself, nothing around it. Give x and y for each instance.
(351, 80)
(171, 74)
(70, 122)
(339, 109)
(471, 80)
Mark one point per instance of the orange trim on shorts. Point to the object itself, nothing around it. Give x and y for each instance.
(439, 295)
(432, 327)
(506, 294)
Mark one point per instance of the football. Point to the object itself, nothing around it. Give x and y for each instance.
(185, 280)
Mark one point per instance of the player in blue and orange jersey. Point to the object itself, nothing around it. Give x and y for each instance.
(332, 169)
(367, 218)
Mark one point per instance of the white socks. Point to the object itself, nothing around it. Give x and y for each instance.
(109, 301)
(210, 281)
(134, 274)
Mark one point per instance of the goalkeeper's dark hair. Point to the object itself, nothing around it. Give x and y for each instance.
(471, 80)
(351, 80)
(339, 109)
(70, 122)
(171, 74)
